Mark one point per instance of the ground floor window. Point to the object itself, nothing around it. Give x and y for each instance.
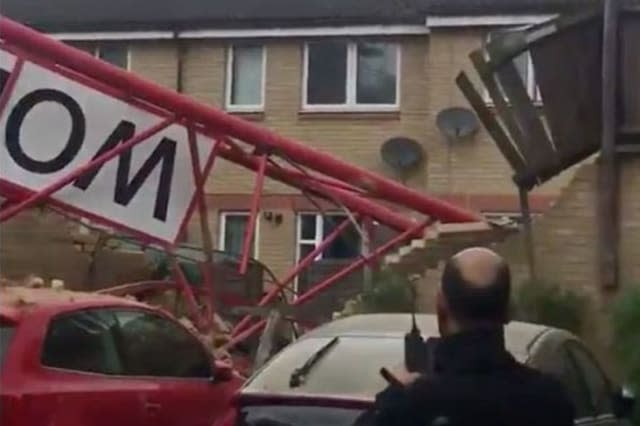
(233, 226)
(313, 228)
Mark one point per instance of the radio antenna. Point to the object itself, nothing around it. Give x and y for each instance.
(414, 302)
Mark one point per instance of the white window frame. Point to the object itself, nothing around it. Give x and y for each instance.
(350, 104)
(229, 83)
(223, 227)
(319, 236)
(96, 53)
(531, 85)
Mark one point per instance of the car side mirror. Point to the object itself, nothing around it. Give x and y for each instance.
(222, 372)
(624, 402)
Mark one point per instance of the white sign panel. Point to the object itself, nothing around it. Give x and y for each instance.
(53, 125)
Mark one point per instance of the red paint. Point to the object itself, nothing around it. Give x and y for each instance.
(29, 40)
(33, 395)
(331, 280)
(297, 269)
(324, 176)
(483, 202)
(247, 244)
(355, 202)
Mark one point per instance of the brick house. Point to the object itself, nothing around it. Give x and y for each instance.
(341, 75)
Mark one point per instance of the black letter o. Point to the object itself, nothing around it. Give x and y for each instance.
(14, 125)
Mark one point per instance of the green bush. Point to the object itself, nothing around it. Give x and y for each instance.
(626, 339)
(389, 292)
(548, 304)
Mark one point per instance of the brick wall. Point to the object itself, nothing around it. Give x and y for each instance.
(466, 171)
(42, 244)
(428, 68)
(565, 240)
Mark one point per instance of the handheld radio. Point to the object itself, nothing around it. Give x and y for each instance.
(418, 353)
(415, 354)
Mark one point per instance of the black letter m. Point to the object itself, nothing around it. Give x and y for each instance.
(126, 188)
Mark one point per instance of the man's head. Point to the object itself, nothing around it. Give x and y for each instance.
(474, 291)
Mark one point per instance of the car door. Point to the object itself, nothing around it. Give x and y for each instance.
(598, 385)
(162, 351)
(554, 355)
(80, 376)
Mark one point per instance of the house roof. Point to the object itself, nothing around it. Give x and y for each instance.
(131, 15)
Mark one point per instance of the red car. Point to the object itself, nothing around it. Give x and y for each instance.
(81, 359)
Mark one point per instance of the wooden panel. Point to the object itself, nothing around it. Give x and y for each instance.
(534, 138)
(568, 71)
(492, 125)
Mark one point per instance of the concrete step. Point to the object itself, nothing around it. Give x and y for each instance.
(441, 241)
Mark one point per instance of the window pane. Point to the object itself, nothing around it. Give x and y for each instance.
(155, 346)
(234, 229)
(376, 73)
(83, 342)
(305, 249)
(347, 245)
(114, 54)
(246, 81)
(308, 226)
(327, 73)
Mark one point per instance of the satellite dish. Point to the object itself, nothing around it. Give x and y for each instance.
(402, 154)
(457, 123)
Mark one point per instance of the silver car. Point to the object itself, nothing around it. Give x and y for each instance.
(331, 375)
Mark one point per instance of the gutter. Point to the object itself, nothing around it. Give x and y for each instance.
(449, 21)
(431, 21)
(248, 33)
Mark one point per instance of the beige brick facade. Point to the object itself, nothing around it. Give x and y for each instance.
(472, 173)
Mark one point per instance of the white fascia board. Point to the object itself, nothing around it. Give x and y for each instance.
(113, 35)
(485, 20)
(359, 30)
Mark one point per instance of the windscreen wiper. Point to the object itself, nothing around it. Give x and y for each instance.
(299, 375)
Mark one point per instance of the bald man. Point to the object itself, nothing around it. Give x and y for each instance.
(474, 381)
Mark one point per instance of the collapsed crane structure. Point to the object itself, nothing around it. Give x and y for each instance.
(99, 143)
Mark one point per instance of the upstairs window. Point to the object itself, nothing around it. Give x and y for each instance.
(351, 75)
(524, 66)
(245, 78)
(114, 53)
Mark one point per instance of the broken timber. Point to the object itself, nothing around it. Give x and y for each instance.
(576, 67)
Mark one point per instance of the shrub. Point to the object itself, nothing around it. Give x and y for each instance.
(389, 292)
(548, 304)
(625, 317)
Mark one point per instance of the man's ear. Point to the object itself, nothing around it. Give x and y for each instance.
(442, 313)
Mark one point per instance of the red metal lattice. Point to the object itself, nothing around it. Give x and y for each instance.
(268, 154)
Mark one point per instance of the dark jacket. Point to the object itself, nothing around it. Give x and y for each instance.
(476, 382)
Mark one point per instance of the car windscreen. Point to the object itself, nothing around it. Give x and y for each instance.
(283, 415)
(6, 333)
(350, 368)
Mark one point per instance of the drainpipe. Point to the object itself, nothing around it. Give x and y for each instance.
(180, 62)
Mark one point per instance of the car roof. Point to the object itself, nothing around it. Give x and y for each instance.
(16, 301)
(366, 343)
(397, 325)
